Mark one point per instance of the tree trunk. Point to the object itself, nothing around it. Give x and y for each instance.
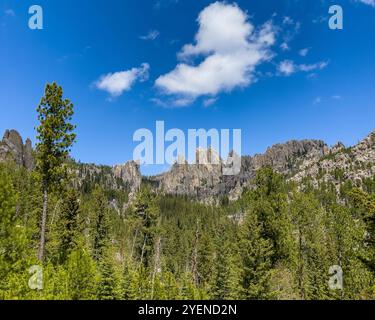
(43, 226)
(157, 268)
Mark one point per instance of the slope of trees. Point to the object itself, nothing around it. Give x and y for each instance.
(281, 246)
(278, 241)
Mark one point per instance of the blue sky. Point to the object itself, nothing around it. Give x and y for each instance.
(272, 68)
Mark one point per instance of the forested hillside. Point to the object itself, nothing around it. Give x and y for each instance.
(274, 243)
(105, 240)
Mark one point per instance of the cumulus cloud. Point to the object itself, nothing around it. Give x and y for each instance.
(119, 82)
(231, 48)
(288, 67)
(151, 35)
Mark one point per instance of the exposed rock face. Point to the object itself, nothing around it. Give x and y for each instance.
(341, 164)
(12, 148)
(130, 174)
(126, 176)
(206, 180)
(295, 159)
(207, 183)
(286, 158)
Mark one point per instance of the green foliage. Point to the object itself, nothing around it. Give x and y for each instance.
(108, 287)
(54, 134)
(82, 275)
(13, 246)
(101, 224)
(55, 139)
(147, 213)
(256, 253)
(276, 242)
(69, 225)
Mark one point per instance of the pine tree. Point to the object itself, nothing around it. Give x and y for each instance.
(55, 139)
(108, 287)
(256, 253)
(313, 261)
(170, 286)
(188, 290)
(82, 276)
(69, 226)
(147, 211)
(129, 281)
(227, 279)
(101, 227)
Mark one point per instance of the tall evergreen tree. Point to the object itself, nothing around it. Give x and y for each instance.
(101, 223)
(227, 279)
(69, 225)
(55, 139)
(256, 253)
(108, 287)
(147, 211)
(82, 275)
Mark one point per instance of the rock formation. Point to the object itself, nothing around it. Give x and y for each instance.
(205, 180)
(12, 148)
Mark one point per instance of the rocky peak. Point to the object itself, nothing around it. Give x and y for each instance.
(12, 148)
(285, 157)
(207, 182)
(339, 146)
(129, 173)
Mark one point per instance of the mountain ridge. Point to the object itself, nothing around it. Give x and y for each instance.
(296, 159)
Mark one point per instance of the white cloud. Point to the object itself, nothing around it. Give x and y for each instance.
(151, 35)
(288, 67)
(368, 2)
(290, 29)
(304, 52)
(119, 82)
(311, 67)
(231, 47)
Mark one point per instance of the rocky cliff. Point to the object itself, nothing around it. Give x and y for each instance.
(207, 182)
(126, 176)
(296, 160)
(341, 164)
(13, 148)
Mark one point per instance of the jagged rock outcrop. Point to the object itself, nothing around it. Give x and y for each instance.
(341, 164)
(13, 148)
(207, 182)
(120, 177)
(130, 174)
(287, 157)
